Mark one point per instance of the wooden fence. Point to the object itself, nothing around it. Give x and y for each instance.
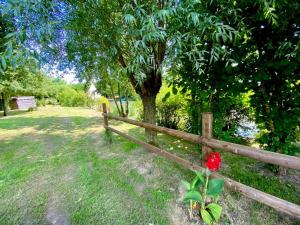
(208, 143)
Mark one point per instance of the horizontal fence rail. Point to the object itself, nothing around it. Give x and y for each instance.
(286, 161)
(269, 157)
(260, 196)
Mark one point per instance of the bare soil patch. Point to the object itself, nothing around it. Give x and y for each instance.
(56, 214)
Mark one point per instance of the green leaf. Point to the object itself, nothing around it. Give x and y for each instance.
(194, 196)
(9, 49)
(215, 187)
(215, 210)
(196, 183)
(186, 185)
(206, 217)
(3, 61)
(129, 19)
(200, 176)
(9, 35)
(174, 90)
(166, 97)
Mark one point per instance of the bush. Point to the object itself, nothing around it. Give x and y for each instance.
(41, 102)
(51, 101)
(170, 108)
(136, 109)
(80, 99)
(72, 98)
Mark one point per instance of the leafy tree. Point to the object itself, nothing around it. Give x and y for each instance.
(112, 84)
(18, 69)
(131, 36)
(204, 56)
(221, 47)
(263, 59)
(5, 29)
(20, 81)
(271, 67)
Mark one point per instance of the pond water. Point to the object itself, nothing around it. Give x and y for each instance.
(247, 129)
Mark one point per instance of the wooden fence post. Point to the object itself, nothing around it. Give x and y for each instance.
(105, 119)
(207, 123)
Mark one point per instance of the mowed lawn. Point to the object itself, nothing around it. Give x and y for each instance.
(57, 167)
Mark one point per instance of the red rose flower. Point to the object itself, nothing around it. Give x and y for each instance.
(213, 161)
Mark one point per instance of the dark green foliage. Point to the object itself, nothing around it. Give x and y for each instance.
(170, 108)
(262, 56)
(271, 69)
(168, 114)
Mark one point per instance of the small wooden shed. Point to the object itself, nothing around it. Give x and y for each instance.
(23, 102)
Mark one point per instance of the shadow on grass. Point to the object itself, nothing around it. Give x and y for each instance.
(13, 113)
(49, 123)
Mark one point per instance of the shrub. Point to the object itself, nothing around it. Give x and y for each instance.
(41, 102)
(70, 97)
(51, 101)
(136, 109)
(170, 108)
(80, 99)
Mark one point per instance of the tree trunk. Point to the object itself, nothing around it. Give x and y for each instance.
(5, 104)
(148, 89)
(120, 100)
(196, 113)
(2, 102)
(114, 98)
(199, 127)
(149, 108)
(127, 105)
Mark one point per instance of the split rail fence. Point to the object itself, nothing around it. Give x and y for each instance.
(208, 143)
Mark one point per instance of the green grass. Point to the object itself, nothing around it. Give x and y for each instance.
(57, 164)
(239, 168)
(56, 161)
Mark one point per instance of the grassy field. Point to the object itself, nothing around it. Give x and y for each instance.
(56, 167)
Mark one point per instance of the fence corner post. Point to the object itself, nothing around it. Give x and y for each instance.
(207, 130)
(105, 119)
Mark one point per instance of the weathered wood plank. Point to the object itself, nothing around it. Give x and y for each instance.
(258, 154)
(105, 119)
(207, 121)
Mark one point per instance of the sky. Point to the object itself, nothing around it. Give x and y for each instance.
(68, 75)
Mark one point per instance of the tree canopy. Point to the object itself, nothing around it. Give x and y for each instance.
(214, 51)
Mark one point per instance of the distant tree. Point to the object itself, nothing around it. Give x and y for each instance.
(20, 81)
(115, 84)
(5, 29)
